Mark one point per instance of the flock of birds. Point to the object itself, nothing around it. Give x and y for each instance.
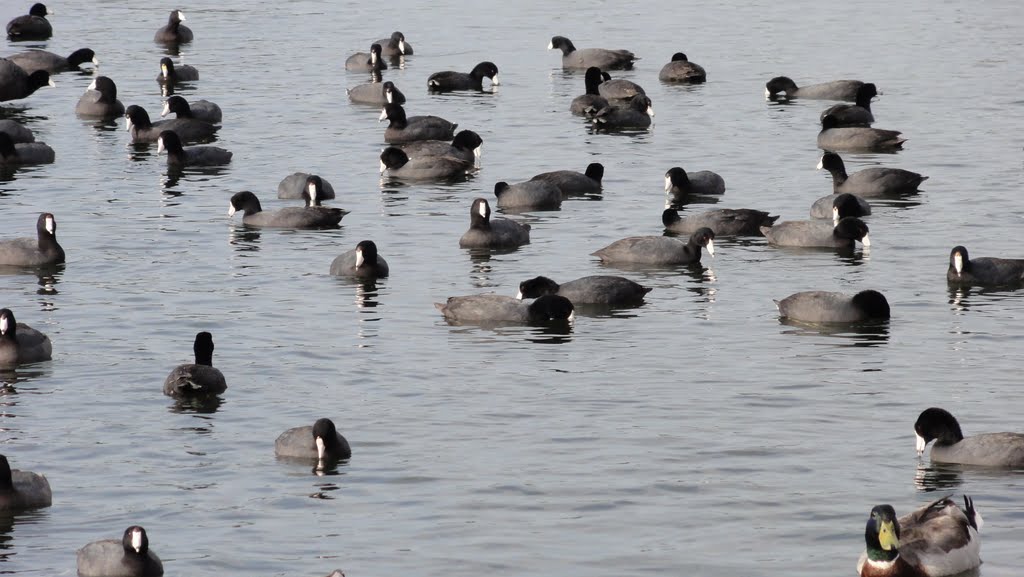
(938, 539)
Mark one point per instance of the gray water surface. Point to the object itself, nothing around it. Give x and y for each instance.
(693, 435)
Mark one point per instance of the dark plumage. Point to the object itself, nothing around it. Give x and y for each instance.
(984, 271)
(200, 378)
(450, 80)
(321, 441)
(839, 206)
(636, 113)
(402, 128)
(20, 490)
(591, 101)
(465, 147)
(784, 87)
(589, 290)
(817, 233)
(12, 154)
(297, 185)
(658, 250)
(129, 556)
(724, 221)
(367, 61)
(587, 57)
(681, 70)
(31, 26)
(174, 32)
(870, 182)
(33, 60)
(100, 100)
(199, 109)
(396, 163)
(858, 114)
(178, 155)
(619, 89)
(362, 262)
(21, 344)
(306, 217)
(681, 184)
(142, 129)
(40, 251)
(496, 309)
(15, 83)
(856, 138)
(571, 182)
(834, 307)
(986, 450)
(498, 233)
(16, 131)
(531, 195)
(376, 93)
(395, 46)
(171, 74)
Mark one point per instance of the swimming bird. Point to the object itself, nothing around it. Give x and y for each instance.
(396, 163)
(362, 262)
(297, 185)
(681, 184)
(870, 182)
(589, 290)
(492, 308)
(40, 251)
(465, 147)
(858, 114)
(141, 129)
(21, 344)
(33, 60)
(587, 57)
(986, 449)
(402, 128)
(20, 490)
(856, 138)
(964, 270)
(450, 80)
(528, 195)
(936, 540)
(178, 155)
(724, 221)
(681, 70)
(395, 46)
(21, 153)
(571, 182)
(658, 250)
(199, 109)
(818, 234)
(31, 26)
(834, 307)
(376, 93)
(591, 100)
(100, 100)
(199, 378)
(129, 556)
(174, 32)
(320, 441)
(305, 217)
(15, 83)
(497, 233)
(784, 87)
(636, 113)
(839, 206)
(171, 74)
(17, 131)
(619, 89)
(367, 61)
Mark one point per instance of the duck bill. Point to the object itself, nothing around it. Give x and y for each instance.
(865, 241)
(383, 115)
(231, 210)
(711, 248)
(650, 111)
(401, 46)
(887, 536)
(919, 444)
(320, 448)
(551, 45)
(519, 295)
(160, 145)
(820, 164)
(383, 167)
(668, 184)
(359, 258)
(958, 263)
(166, 110)
(835, 216)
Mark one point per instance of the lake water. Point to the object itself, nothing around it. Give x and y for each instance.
(694, 435)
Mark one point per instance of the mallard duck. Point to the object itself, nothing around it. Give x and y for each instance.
(935, 540)
(989, 449)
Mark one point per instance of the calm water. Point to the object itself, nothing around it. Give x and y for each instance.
(693, 435)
